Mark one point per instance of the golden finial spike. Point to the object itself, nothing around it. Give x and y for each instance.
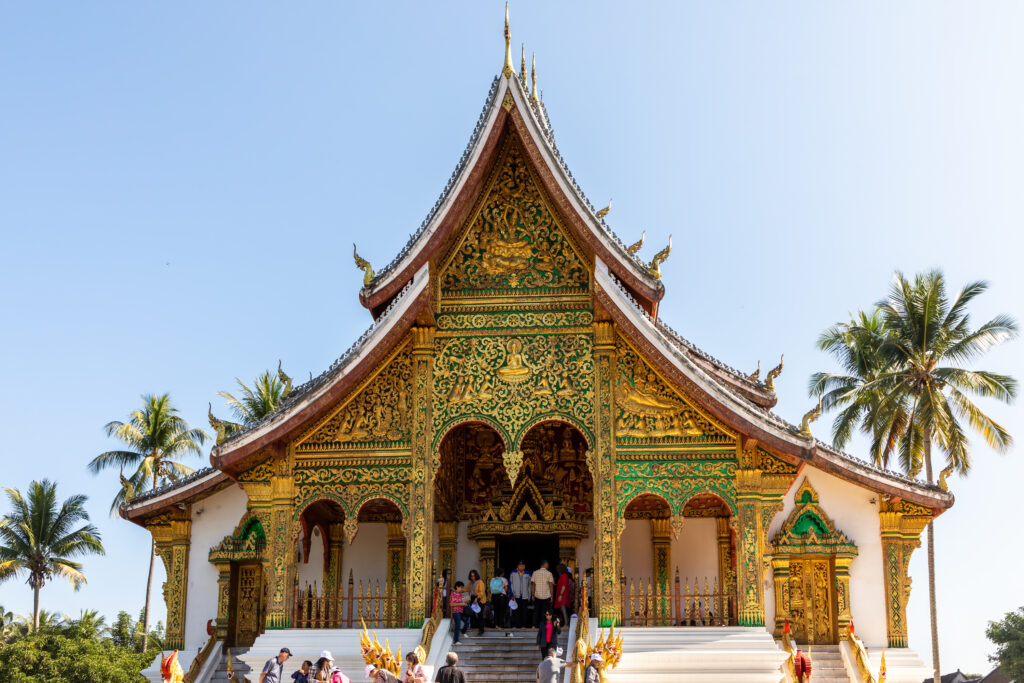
(533, 79)
(507, 69)
(522, 66)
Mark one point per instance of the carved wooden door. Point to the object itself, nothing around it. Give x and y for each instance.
(248, 604)
(812, 601)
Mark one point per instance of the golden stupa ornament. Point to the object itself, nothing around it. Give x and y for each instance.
(507, 70)
(522, 65)
(533, 79)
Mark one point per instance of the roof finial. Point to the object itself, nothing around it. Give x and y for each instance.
(522, 67)
(655, 267)
(507, 70)
(533, 79)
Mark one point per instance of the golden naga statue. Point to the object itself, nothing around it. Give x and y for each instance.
(363, 265)
(170, 669)
(285, 380)
(218, 425)
(636, 246)
(659, 258)
(944, 475)
(769, 380)
(604, 212)
(381, 658)
(809, 417)
(756, 375)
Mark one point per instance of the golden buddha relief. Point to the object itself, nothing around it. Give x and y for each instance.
(514, 243)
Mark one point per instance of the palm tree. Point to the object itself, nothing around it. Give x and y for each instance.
(156, 437)
(262, 399)
(40, 536)
(90, 625)
(916, 392)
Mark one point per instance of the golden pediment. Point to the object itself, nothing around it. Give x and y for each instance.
(648, 407)
(514, 244)
(375, 414)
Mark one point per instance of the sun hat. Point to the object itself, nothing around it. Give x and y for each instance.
(596, 658)
(326, 654)
(370, 668)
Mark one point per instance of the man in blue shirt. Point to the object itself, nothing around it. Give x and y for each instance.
(274, 668)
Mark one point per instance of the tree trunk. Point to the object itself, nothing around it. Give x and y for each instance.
(35, 608)
(932, 605)
(149, 587)
(149, 582)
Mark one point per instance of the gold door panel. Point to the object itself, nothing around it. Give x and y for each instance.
(812, 599)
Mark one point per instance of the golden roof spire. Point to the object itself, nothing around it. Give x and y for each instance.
(522, 67)
(507, 70)
(533, 79)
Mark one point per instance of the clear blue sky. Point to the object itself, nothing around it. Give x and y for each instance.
(180, 186)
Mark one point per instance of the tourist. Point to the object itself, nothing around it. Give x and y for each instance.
(499, 598)
(563, 594)
(380, 675)
(302, 675)
(446, 588)
(802, 667)
(547, 634)
(542, 585)
(338, 677)
(478, 597)
(457, 601)
(322, 668)
(450, 672)
(592, 674)
(414, 672)
(274, 667)
(519, 589)
(549, 668)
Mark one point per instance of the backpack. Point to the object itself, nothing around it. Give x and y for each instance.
(497, 586)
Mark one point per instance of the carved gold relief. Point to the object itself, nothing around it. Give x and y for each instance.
(515, 243)
(379, 413)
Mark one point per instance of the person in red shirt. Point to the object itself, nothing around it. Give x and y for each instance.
(457, 601)
(802, 667)
(563, 593)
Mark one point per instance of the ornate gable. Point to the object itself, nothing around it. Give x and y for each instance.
(809, 530)
(515, 244)
(375, 415)
(649, 410)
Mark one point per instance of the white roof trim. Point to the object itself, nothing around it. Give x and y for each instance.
(173, 491)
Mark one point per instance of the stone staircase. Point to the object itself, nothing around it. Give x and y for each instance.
(827, 664)
(497, 658)
(240, 667)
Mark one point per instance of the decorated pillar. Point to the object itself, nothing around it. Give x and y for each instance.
(601, 460)
(447, 547)
(396, 557)
(901, 526)
(488, 558)
(333, 589)
(171, 534)
(661, 544)
(726, 568)
(223, 599)
(280, 571)
(567, 553)
(421, 488)
(780, 575)
(843, 613)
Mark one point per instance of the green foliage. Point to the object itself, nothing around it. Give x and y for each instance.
(1008, 636)
(156, 438)
(40, 536)
(51, 654)
(254, 403)
(904, 380)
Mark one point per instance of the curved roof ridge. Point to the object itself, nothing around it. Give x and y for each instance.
(701, 353)
(302, 390)
(159, 491)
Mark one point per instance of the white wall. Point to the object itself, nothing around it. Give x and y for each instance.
(695, 552)
(636, 551)
(467, 554)
(312, 571)
(851, 508)
(585, 550)
(213, 518)
(366, 557)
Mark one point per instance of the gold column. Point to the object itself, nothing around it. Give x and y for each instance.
(759, 498)
(223, 599)
(601, 460)
(447, 546)
(171, 535)
(726, 571)
(488, 557)
(901, 526)
(661, 544)
(396, 556)
(566, 555)
(780, 574)
(280, 570)
(843, 615)
(332, 578)
(421, 488)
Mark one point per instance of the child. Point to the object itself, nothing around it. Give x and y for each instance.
(302, 675)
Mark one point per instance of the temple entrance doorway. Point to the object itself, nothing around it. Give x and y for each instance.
(531, 548)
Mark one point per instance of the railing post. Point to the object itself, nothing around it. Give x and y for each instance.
(349, 596)
(678, 617)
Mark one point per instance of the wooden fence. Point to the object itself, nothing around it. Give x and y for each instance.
(358, 605)
(674, 603)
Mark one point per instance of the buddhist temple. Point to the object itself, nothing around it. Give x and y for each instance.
(516, 396)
